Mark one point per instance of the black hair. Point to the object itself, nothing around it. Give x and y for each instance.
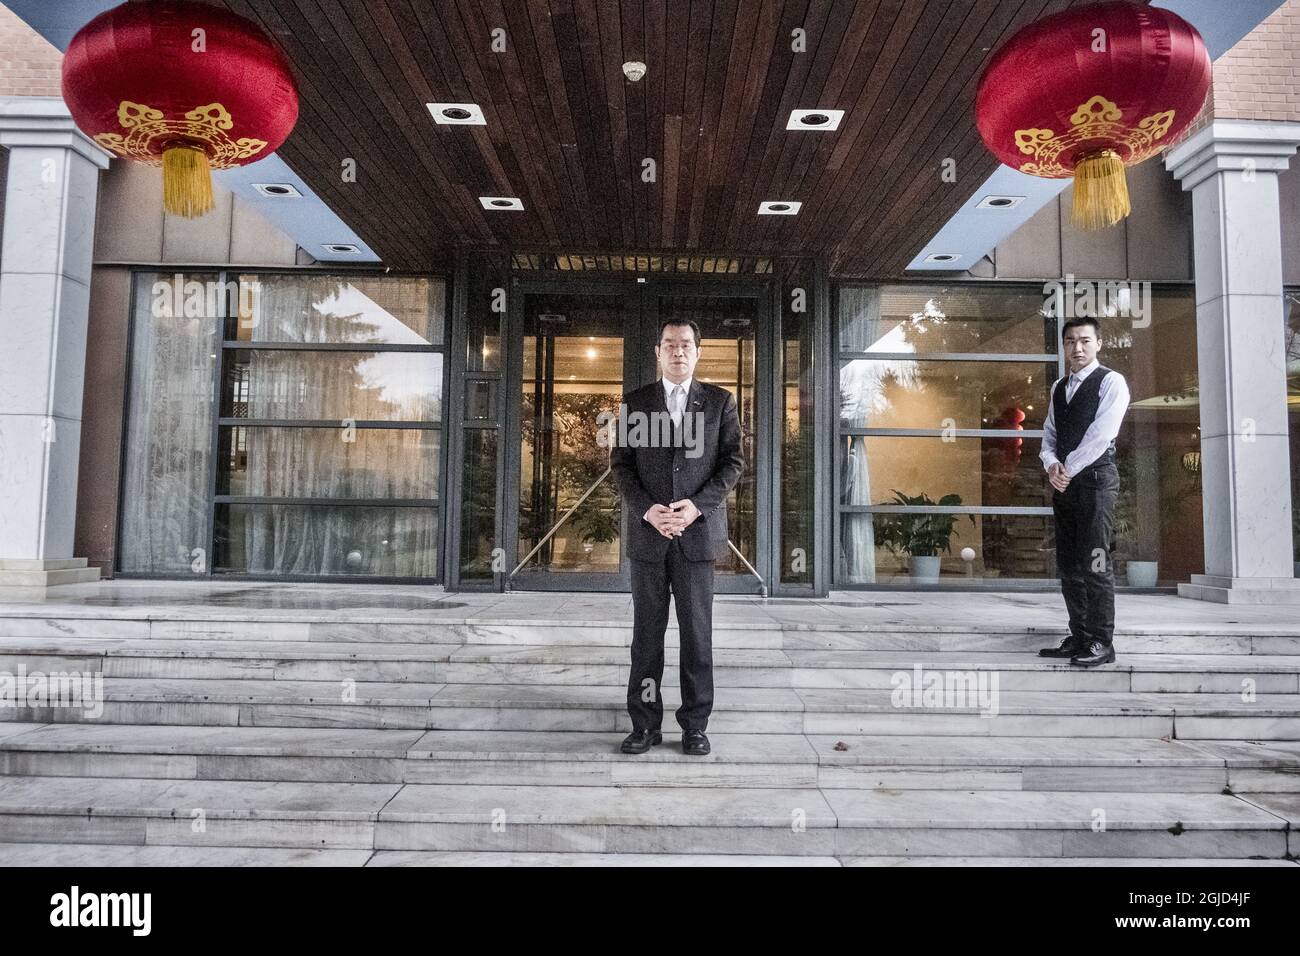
(1080, 320)
(688, 322)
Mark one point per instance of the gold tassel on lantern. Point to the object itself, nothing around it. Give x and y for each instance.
(1100, 191)
(187, 181)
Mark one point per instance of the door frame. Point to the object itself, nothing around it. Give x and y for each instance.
(641, 313)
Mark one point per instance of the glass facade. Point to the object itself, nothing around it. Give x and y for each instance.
(931, 379)
(293, 429)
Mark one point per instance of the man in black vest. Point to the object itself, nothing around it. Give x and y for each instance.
(1083, 417)
(677, 457)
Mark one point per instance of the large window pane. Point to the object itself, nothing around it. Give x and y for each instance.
(990, 472)
(1158, 515)
(318, 386)
(906, 394)
(933, 318)
(321, 540)
(166, 468)
(338, 309)
(274, 462)
(1006, 548)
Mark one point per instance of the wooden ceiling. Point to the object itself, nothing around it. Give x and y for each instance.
(567, 132)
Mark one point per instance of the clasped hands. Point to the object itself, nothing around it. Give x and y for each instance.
(671, 520)
(1057, 476)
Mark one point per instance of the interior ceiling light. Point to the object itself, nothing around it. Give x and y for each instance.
(502, 202)
(634, 70)
(342, 248)
(778, 207)
(942, 257)
(824, 120)
(277, 190)
(1000, 202)
(457, 114)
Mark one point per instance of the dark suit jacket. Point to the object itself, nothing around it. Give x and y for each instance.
(647, 476)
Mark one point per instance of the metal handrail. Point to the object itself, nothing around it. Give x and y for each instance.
(587, 494)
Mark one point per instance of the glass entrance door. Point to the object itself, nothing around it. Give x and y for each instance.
(577, 349)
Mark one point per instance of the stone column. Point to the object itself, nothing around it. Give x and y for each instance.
(45, 264)
(1231, 169)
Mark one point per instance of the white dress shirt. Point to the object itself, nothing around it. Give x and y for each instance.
(677, 413)
(1112, 403)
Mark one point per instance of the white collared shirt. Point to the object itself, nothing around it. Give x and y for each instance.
(1112, 403)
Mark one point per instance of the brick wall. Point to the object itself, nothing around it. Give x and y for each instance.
(29, 65)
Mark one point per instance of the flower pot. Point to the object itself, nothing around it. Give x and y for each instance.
(1142, 574)
(925, 567)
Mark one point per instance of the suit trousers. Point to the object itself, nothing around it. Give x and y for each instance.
(691, 585)
(1085, 540)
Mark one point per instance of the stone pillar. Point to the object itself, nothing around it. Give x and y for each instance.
(45, 264)
(1231, 169)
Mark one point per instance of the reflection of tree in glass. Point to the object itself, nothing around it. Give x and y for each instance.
(576, 462)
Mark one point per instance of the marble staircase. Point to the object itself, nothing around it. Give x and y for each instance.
(371, 739)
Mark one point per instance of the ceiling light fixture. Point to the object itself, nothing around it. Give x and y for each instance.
(821, 120)
(342, 248)
(457, 114)
(1000, 202)
(942, 257)
(778, 207)
(502, 203)
(278, 190)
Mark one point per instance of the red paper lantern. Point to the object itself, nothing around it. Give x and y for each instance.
(184, 85)
(1089, 91)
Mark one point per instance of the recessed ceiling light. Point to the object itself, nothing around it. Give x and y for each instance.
(457, 114)
(277, 190)
(814, 119)
(942, 257)
(778, 207)
(342, 248)
(1000, 202)
(501, 202)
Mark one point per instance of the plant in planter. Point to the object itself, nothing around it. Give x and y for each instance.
(920, 536)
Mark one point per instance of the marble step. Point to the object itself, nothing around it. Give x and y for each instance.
(583, 758)
(722, 820)
(199, 624)
(97, 854)
(737, 710)
(575, 664)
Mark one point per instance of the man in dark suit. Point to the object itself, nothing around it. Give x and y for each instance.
(677, 457)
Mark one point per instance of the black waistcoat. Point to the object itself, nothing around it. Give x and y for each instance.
(1073, 418)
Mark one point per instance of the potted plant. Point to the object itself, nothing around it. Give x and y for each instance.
(921, 536)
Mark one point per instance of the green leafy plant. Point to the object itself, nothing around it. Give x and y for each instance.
(918, 534)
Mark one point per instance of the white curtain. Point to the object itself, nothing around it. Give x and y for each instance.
(169, 436)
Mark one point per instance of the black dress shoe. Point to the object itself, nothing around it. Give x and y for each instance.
(1097, 653)
(1069, 648)
(639, 741)
(695, 743)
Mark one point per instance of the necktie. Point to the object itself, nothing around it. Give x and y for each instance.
(679, 400)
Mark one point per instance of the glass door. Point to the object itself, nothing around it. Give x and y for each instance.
(577, 348)
(734, 328)
(574, 350)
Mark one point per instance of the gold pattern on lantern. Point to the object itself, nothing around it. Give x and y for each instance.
(1097, 119)
(148, 134)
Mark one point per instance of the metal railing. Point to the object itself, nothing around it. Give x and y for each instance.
(578, 504)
